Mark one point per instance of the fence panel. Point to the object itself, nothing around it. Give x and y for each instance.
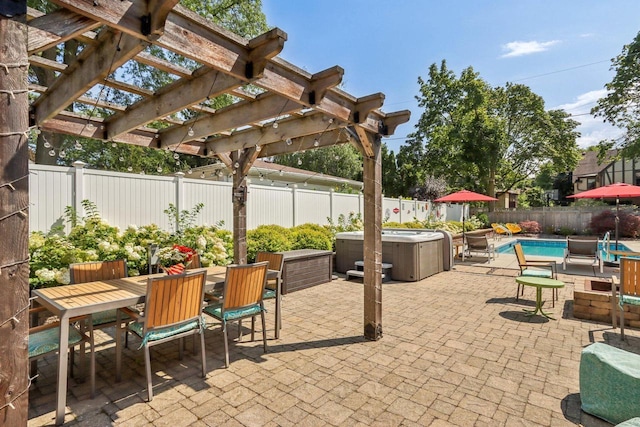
(345, 204)
(216, 198)
(50, 192)
(269, 205)
(313, 206)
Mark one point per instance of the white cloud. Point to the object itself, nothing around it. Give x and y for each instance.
(526, 48)
(592, 129)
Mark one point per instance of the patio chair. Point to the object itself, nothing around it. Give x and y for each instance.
(480, 244)
(100, 270)
(500, 230)
(580, 249)
(242, 297)
(513, 228)
(194, 263)
(45, 340)
(535, 268)
(629, 287)
(273, 288)
(173, 310)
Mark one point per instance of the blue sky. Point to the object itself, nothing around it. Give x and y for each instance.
(561, 49)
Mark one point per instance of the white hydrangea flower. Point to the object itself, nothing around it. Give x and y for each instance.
(62, 276)
(45, 274)
(104, 246)
(201, 242)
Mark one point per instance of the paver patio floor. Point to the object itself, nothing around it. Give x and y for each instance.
(457, 349)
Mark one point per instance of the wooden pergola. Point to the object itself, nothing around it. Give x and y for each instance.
(288, 110)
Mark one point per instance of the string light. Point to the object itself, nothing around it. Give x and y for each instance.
(176, 156)
(159, 169)
(46, 143)
(202, 175)
(189, 171)
(275, 125)
(90, 126)
(62, 154)
(288, 141)
(129, 168)
(316, 142)
(190, 132)
(299, 162)
(258, 148)
(236, 165)
(261, 177)
(281, 172)
(52, 153)
(121, 159)
(77, 145)
(114, 145)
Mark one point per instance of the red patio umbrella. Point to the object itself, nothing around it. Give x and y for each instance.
(619, 190)
(464, 196)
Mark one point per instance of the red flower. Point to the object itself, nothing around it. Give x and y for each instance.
(185, 250)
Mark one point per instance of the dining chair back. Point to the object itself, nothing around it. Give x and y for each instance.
(535, 268)
(195, 262)
(242, 298)
(173, 310)
(629, 286)
(100, 270)
(273, 288)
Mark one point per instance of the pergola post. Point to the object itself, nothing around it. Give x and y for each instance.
(239, 196)
(373, 241)
(14, 221)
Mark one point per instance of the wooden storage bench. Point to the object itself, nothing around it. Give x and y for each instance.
(304, 268)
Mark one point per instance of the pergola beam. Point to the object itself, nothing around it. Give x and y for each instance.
(49, 30)
(309, 124)
(93, 64)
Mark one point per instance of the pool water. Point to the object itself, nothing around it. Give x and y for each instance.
(549, 248)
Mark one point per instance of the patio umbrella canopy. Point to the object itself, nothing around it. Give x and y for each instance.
(619, 190)
(464, 196)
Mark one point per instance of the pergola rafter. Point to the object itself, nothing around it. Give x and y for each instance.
(309, 109)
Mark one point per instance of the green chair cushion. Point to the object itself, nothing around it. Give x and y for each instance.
(46, 341)
(630, 299)
(537, 272)
(633, 422)
(161, 333)
(269, 294)
(215, 310)
(106, 317)
(610, 383)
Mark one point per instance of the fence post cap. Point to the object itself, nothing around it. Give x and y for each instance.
(79, 164)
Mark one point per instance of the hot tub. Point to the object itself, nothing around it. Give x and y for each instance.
(414, 254)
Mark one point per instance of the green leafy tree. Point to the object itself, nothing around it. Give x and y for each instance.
(475, 135)
(342, 160)
(620, 106)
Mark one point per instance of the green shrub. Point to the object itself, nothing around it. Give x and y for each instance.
(308, 238)
(268, 238)
(565, 231)
(392, 224)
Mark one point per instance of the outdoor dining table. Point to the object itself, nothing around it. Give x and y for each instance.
(92, 297)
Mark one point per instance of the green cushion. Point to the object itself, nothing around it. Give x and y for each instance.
(48, 340)
(537, 272)
(610, 383)
(630, 299)
(161, 333)
(215, 310)
(269, 294)
(633, 422)
(106, 317)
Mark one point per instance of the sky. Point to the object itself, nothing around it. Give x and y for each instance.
(561, 49)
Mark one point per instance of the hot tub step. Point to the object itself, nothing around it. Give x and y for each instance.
(359, 273)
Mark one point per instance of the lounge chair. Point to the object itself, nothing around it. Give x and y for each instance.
(580, 249)
(513, 228)
(500, 230)
(479, 244)
(535, 268)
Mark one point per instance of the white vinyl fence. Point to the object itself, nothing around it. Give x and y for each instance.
(130, 199)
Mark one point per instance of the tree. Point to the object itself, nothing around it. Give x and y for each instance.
(475, 135)
(620, 106)
(338, 160)
(244, 17)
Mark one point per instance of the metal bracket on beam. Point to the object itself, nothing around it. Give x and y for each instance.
(248, 70)
(13, 8)
(145, 24)
(323, 81)
(312, 97)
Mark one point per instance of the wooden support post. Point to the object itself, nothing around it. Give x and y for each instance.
(14, 224)
(239, 196)
(373, 241)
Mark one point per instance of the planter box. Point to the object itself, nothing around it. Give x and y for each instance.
(304, 268)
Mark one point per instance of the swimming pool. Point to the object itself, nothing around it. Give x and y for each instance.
(549, 248)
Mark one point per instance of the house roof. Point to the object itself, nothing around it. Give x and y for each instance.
(588, 166)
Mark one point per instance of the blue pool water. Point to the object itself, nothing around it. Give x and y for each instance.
(549, 248)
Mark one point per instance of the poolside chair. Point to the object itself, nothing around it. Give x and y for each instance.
(535, 268)
(100, 270)
(513, 228)
(479, 244)
(580, 249)
(500, 230)
(241, 298)
(173, 310)
(629, 287)
(45, 340)
(273, 288)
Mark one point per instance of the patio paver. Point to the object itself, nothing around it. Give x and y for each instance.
(457, 349)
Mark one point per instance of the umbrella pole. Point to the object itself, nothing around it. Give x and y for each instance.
(617, 221)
